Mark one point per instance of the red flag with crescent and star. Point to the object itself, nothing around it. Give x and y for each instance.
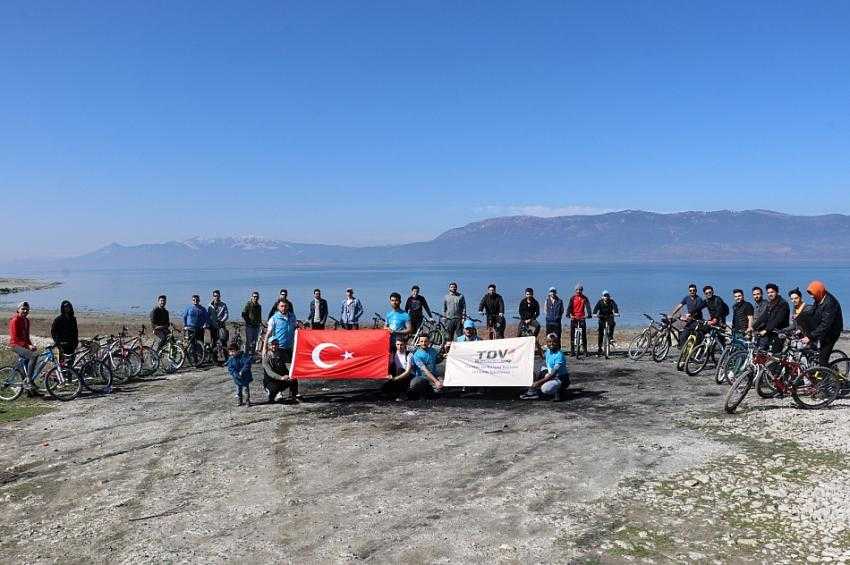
(341, 354)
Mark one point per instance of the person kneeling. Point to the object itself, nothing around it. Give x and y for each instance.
(420, 372)
(276, 361)
(239, 367)
(553, 379)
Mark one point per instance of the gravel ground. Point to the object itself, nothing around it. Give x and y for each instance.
(639, 464)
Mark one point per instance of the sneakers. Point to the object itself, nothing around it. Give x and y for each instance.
(240, 402)
(530, 395)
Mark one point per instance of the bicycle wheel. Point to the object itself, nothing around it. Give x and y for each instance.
(817, 387)
(639, 345)
(64, 384)
(764, 385)
(837, 355)
(437, 338)
(729, 370)
(842, 369)
(739, 389)
(120, 367)
(150, 361)
(661, 347)
(606, 344)
(697, 360)
(685, 353)
(96, 375)
(195, 354)
(171, 358)
(11, 383)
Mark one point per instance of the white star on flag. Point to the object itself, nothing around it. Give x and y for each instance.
(347, 355)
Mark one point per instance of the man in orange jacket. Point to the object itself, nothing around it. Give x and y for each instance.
(826, 320)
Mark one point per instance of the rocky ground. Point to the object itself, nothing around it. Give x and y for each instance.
(640, 464)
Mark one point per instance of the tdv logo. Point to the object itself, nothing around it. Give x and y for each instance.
(494, 354)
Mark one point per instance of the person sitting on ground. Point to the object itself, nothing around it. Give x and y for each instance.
(64, 330)
(276, 363)
(554, 378)
(350, 311)
(398, 321)
(826, 322)
(400, 369)
(239, 367)
(20, 342)
(160, 324)
(423, 367)
(529, 311)
(605, 310)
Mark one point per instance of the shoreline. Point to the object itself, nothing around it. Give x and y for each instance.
(14, 285)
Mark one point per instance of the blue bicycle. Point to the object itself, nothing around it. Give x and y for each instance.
(60, 380)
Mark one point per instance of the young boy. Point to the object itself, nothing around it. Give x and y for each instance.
(554, 378)
(239, 367)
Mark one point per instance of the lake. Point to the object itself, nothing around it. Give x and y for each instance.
(636, 288)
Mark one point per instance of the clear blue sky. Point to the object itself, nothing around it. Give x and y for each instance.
(390, 121)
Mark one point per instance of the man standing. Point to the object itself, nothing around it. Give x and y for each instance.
(252, 314)
(350, 311)
(606, 309)
(554, 313)
(160, 322)
(416, 305)
(218, 315)
(826, 319)
(529, 311)
(282, 329)
(776, 317)
(578, 311)
(454, 310)
(759, 303)
(194, 320)
(318, 316)
(398, 321)
(284, 295)
(742, 314)
(493, 307)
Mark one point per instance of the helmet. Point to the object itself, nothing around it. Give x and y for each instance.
(469, 325)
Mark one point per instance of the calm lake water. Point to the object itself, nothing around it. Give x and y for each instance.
(636, 288)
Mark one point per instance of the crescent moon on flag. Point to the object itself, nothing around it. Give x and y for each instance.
(317, 355)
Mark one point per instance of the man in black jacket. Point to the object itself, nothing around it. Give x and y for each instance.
(318, 316)
(717, 311)
(417, 307)
(64, 329)
(159, 321)
(826, 320)
(605, 310)
(775, 317)
(493, 306)
(529, 311)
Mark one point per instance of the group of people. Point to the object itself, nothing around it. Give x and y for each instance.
(819, 323)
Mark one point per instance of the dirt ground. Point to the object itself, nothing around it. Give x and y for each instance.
(631, 467)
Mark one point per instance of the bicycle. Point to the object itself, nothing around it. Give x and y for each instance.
(578, 341)
(95, 372)
(438, 332)
(607, 343)
(690, 344)
(642, 343)
(196, 354)
(61, 381)
(172, 356)
(739, 342)
(664, 339)
(125, 364)
(150, 358)
(704, 351)
(378, 321)
(524, 330)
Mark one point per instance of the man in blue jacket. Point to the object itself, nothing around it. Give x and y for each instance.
(194, 319)
(554, 313)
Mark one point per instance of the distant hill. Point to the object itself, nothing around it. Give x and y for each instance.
(626, 236)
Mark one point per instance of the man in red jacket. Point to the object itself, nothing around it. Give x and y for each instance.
(19, 338)
(578, 311)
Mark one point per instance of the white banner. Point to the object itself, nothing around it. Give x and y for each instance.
(496, 362)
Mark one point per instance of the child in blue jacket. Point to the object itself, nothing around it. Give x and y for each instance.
(239, 367)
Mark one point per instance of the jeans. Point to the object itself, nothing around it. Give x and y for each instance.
(453, 327)
(573, 325)
(551, 388)
(251, 335)
(825, 349)
(30, 356)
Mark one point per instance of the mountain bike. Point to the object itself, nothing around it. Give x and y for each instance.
(642, 343)
(378, 321)
(578, 341)
(150, 358)
(607, 343)
(690, 344)
(61, 381)
(667, 334)
(126, 364)
(172, 356)
(95, 372)
(438, 333)
(524, 330)
(704, 351)
(739, 342)
(196, 354)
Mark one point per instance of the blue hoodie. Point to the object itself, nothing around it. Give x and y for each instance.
(195, 316)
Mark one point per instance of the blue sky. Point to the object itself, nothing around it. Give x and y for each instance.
(370, 122)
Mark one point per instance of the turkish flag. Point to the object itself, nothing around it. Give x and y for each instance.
(341, 354)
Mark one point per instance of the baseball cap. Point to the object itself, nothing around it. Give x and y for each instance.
(469, 324)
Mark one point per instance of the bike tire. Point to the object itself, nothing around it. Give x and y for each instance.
(639, 345)
(63, 385)
(817, 387)
(738, 391)
(842, 369)
(606, 344)
(195, 355)
(731, 367)
(661, 348)
(11, 383)
(764, 385)
(171, 358)
(697, 360)
(685, 353)
(96, 376)
(150, 361)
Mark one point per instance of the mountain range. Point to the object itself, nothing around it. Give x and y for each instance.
(621, 237)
